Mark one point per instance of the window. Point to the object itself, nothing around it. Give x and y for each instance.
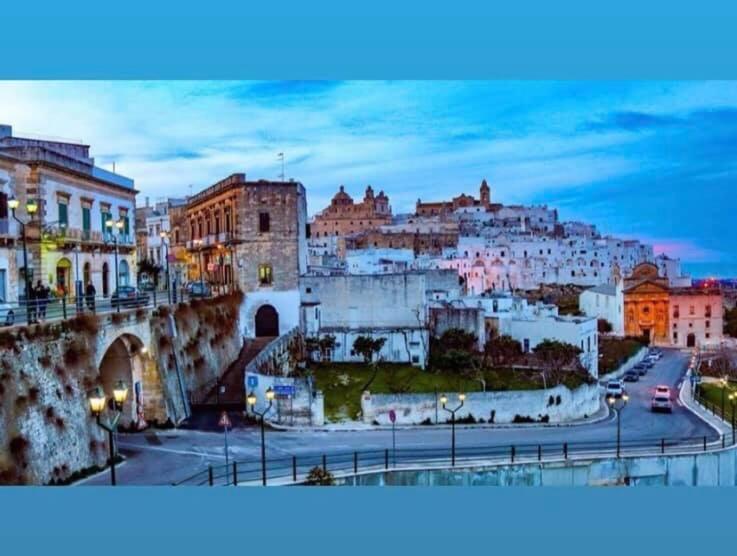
(264, 274)
(63, 215)
(675, 336)
(86, 220)
(708, 324)
(708, 311)
(526, 345)
(708, 335)
(676, 312)
(692, 310)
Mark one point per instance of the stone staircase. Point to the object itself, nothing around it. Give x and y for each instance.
(228, 391)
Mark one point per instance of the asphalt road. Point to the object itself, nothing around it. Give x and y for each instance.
(163, 457)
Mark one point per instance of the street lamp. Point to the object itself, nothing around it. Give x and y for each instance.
(118, 224)
(164, 236)
(444, 401)
(251, 401)
(619, 407)
(31, 209)
(199, 243)
(96, 398)
(733, 403)
(723, 383)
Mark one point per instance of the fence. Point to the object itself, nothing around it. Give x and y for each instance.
(65, 307)
(295, 469)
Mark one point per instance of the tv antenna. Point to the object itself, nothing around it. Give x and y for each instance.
(280, 156)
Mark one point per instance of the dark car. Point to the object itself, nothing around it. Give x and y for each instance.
(128, 296)
(648, 363)
(641, 369)
(198, 289)
(631, 376)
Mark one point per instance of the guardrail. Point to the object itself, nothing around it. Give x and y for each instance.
(55, 308)
(285, 470)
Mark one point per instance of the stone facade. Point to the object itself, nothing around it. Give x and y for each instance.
(343, 216)
(443, 208)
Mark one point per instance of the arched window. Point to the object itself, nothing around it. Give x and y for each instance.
(123, 273)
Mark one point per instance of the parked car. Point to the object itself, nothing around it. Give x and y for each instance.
(7, 313)
(655, 354)
(146, 286)
(648, 363)
(640, 368)
(614, 389)
(128, 296)
(198, 289)
(631, 376)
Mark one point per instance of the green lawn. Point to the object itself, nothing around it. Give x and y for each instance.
(343, 383)
(613, 352)
(712, 393)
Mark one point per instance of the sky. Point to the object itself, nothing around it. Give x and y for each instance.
(651, 160)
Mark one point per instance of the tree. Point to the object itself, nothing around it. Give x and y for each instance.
(457, 338)
(502, 350)
(554, 356)
(604, 326)
(462, 363)
(319, 477)
(366, 347)
(730, 322)
(326, 344)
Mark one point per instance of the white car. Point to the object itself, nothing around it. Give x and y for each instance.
(614, 389)
(661, 402)
(7, 313)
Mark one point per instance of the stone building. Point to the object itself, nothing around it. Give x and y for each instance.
(422, 242)
(344, 216)
(671, 316)
(69, 243)
(444, 208)
(252, 235)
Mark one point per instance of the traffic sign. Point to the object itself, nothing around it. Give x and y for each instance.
(252, 381)
(284, 389)
(392, 416)
(225, 421)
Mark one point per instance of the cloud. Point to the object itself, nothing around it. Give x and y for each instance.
(631, 121)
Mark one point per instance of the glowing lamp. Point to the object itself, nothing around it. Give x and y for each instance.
(120, 393)
(119, 224)
(251, 399)
(461, 397)
(625, 398)
(31, 206)
(13, 203)
(109, 224)
(96, 399)
(270, 394)
(443, 399)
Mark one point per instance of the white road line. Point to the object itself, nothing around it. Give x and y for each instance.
(171, 450)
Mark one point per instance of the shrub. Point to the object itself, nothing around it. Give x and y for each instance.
(319, 477)
(118, 318)
(141, 314)
(75, 353)
(427, 421)
(467, 420)
(164, 342)
(557, 400)
(523, 419)
(551, 401)
(86, 323)
(8, 340)
(33, 393)
(44, 360)
(18, 447)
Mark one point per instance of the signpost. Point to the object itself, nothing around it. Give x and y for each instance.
(252, 381)
(284, 389)
(393, 419)
(225, 423)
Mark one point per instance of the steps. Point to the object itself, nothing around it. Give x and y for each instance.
(229, 391)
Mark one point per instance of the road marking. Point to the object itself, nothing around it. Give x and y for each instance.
(171, 450)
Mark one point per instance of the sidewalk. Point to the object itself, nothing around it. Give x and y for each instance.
(353, 426)
(685, 396)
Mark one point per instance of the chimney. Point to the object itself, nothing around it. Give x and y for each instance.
(6, 131)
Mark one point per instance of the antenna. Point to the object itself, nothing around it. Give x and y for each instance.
(113, 167)
(280, 156)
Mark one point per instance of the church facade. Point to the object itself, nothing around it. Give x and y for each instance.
(671, 316)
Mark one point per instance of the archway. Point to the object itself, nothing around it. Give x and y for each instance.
(267, 321)
(123, 361)
(691, 340)
(86, 273)
(63, 275)
(105, 279)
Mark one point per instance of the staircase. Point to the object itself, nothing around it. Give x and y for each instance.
(228, 391)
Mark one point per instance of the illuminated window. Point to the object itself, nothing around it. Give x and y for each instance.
(265, 277)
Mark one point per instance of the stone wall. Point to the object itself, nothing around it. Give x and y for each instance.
(559, 404)
(304, 408)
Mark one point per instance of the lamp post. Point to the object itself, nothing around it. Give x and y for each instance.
(251, 401)
(619, 407)
(31, 208)
(733, 403)
(444, 401)
(110, 224)
(97, 400)
(723, 383)
(199, 243)
(164, 236)
(77, 281)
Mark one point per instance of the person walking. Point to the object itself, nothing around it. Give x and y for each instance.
(90, 293)
(42, 299)
(32, 305)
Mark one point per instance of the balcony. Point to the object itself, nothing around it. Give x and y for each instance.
(212, 240)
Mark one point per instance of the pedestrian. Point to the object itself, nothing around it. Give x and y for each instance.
(31, 305)
(90, 293)
(42, 299)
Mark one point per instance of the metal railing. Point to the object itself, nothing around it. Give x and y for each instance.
(294, 469)
(55, 308)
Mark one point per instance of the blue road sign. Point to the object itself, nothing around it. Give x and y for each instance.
(284, 389)
(252, 381)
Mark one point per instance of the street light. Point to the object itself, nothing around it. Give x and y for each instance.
(96, 398)
(251, 401)
(163, 235)
(109, 224)
(444, 401)
(199, 243)
(31, 209)
(723, 382)
(619, 407)
(733, 403)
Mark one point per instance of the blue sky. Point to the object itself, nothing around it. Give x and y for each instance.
(652, 160)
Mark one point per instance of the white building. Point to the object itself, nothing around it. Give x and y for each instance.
(69, 243)
(671, 269)
(390, 306)
(379, 261)
(605, 302)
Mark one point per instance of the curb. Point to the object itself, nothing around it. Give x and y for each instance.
(695, 408)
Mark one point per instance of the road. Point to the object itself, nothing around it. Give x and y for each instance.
(163, 457)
